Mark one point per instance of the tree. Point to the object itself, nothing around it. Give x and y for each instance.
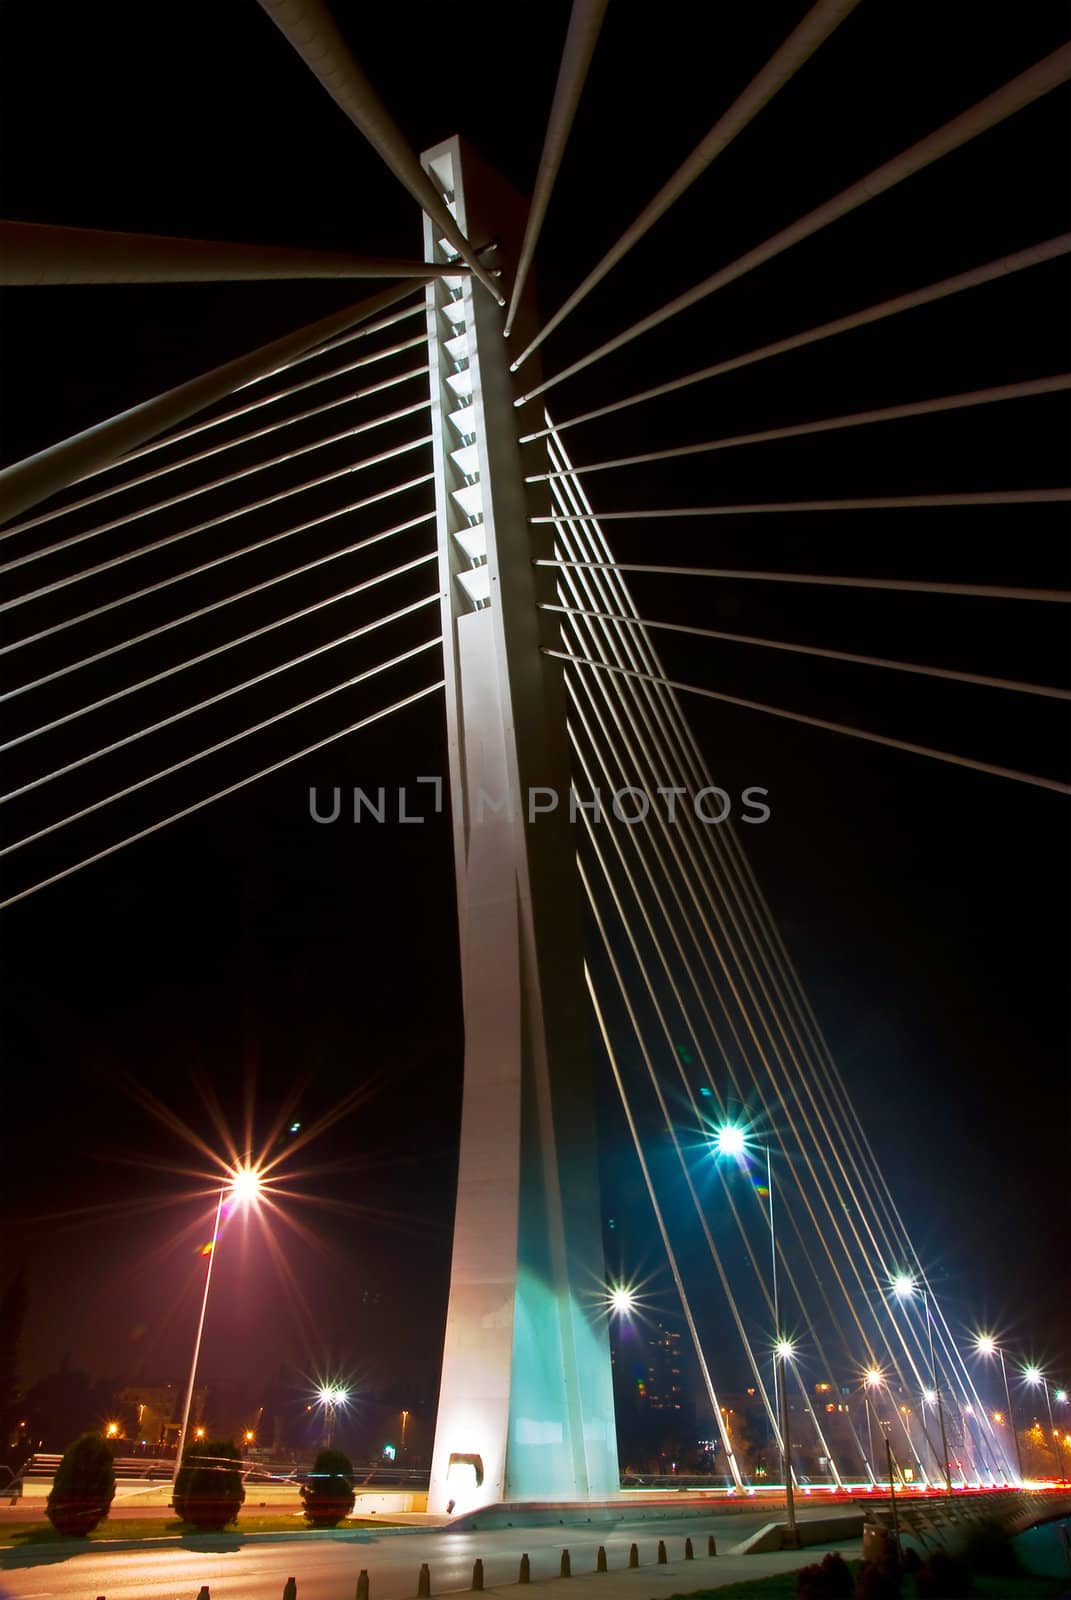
(328, 1495)
(83, 1488)
(12, 1317)
(60, 1406)
(208, 1489)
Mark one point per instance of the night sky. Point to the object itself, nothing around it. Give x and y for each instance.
(925, 906)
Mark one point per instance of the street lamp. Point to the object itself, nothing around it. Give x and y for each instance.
(731, 1140)
(1034, 1376)
(873, 1378)
(986, 1345)
(331, 1396)
(905, 1287)
(243, 1186)
(784, 1350)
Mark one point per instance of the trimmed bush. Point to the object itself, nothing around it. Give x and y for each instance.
(209, 1490)
(83, 1487)
(878, 1581)
(840, 1580)
(328, 1495)
(943, 1577)
(829, 1579)
(990, 1550)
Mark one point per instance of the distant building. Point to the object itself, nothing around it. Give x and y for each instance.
(662, 1386)
(152, 1413)
(652, 1397)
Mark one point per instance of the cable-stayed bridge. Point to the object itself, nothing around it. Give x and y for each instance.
(601, 875)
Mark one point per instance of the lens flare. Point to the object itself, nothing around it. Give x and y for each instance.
(246, 1184)
(730, 1140)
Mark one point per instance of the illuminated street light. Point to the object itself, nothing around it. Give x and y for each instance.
(331, 1396)
(873, 1378)
(906, 1286)
(243, 1188)
(930, 1396)
(1060, 1397)
(784, 1350)
(246, 1182)
(986, 1345)
(730, 1140)
(1036, 1378)
(622, 1301)
(111, 1431)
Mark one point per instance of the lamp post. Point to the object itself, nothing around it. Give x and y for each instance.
(905, 1287)
(243, 1186)
(783, 1352)
(986, 1345)
(872, 1379)
(1034, 1376)
(731, 1140)
(331, 1396)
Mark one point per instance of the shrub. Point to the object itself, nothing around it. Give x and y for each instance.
(83, 1487)
(942, 1577)
(990, 1550)
(839, 1580)
(830, 1579)
(811, 1583)
(328, 1495)
(208, 1488)
(878, 1581)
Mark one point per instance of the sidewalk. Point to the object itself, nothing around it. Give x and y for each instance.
(675, 1578)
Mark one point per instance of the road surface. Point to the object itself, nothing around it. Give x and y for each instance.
(326, 1565)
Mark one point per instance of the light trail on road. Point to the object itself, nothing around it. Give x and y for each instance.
(326, 1565)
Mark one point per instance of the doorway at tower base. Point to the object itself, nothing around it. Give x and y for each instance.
(529, 1435)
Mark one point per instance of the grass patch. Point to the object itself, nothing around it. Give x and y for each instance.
(1021, 1586)
(782, 1586)
(18, 1534)
(778, 1586)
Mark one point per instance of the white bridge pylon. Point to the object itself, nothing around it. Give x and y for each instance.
(526, 1402)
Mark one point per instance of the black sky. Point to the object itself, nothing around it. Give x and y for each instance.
(926, 907)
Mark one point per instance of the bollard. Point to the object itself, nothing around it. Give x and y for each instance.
(423, 1587)
(600, 1559)
(525, 1574)
(633, 1555)
(567, 1568)
(477, 1573)
(202, 1593)
(661, 1552)
(362, 1585)
(689, 1553)
(290, 1589)
(712, 1548)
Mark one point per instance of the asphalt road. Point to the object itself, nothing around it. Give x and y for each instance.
(326, 1565)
